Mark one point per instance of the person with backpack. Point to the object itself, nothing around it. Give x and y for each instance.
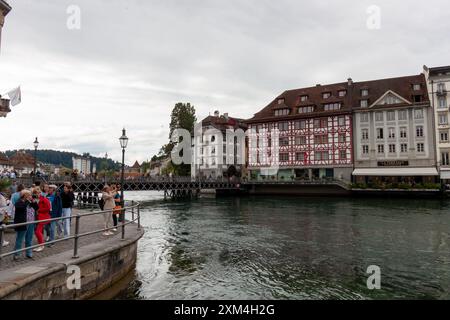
(108, 207)
(56, 212)
(24, 206)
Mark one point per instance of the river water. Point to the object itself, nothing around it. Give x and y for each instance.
(291, 248)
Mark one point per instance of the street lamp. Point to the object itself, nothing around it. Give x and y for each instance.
(36, 145)
(123, 143)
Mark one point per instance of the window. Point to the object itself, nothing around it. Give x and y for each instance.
(303, 98)
(300, 140)
(364, 92)
(403, 132)
(283, 126)
(321, 139)
(381, 148)
(300, 156)
(300, 124)
(365, 134)
(419, 131)
(443, 119)
(331, 106)
(392, 148)
(260, 128)
(280, 100)
(342, 93)
(342, 138)
(445, 159)
(364, 117)
(420, 147)
(284, 141)
(416, 87)
(402, 115)
(391, 116)
(404, 148)
(326, 95)
(418, 114)
(306, 109)
(282, 112)
(417, 98)
(341, 121)
(364, 103)
(320, 156)
(380, 133)
(441, 87)
(320, 123)
(443, 136)
(391, 133)
(343, 154)
(442, 103)
(365, 149)
(284, 157)
(379, 116)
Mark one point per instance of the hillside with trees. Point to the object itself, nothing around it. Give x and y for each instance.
(65, 158)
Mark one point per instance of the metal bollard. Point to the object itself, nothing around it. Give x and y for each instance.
(75, 241)
(123, 223)
(132, 210)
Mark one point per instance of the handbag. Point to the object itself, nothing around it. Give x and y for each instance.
(118, 210)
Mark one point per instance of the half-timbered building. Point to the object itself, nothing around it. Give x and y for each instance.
(303, 134)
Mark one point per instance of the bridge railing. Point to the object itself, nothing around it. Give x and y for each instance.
(131, 207)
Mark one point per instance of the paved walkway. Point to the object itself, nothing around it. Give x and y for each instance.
(87, 224)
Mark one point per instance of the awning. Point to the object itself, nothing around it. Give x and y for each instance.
(445, 174)
(396, 172)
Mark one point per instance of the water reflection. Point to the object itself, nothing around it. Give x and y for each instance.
(291, 248)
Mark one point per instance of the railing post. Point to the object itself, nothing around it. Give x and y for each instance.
(75, 241)
(123, 222)
(132, 210)
(139, 215)
(1, 242)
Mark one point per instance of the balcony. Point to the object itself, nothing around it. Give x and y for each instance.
(441, 93)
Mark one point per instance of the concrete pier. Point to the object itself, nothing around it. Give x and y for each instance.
(103, 261)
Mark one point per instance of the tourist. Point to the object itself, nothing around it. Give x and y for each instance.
(55, 212)
(42, 214)
(44, 193)
(67, 197)
(21, 216)
(15, 197)
(108, 207)
(117, 207)
(4, 213)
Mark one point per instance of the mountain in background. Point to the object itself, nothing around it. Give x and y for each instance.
(65, 158)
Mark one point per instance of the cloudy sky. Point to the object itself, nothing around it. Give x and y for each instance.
(132, 60)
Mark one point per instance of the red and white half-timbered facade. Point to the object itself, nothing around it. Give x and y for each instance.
(303, 134)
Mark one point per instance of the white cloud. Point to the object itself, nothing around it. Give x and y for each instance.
(133, 60)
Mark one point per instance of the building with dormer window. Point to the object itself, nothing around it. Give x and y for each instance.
(393, 131)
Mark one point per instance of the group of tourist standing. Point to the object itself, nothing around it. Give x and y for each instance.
(34, 206)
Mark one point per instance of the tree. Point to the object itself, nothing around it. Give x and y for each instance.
(182, 117)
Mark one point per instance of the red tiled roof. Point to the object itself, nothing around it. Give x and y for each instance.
(403, 86)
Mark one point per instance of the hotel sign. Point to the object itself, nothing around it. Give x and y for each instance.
(397, 163)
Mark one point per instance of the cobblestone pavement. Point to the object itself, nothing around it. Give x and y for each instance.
(87, 224)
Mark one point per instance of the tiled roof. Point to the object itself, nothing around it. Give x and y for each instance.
(403, 86)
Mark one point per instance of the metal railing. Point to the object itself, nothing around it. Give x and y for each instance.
(134, 208)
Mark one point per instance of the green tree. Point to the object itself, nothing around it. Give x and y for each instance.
(182, 117)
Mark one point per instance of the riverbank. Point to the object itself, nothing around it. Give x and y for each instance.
(102, 262)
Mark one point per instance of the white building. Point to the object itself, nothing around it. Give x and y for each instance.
(82, 164)
(438, 82)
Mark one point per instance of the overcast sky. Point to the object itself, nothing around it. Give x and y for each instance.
(132, 60)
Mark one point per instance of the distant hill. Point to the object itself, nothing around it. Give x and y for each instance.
(64, 158)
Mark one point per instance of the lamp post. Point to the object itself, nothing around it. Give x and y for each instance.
(123, 143)
(36, 145)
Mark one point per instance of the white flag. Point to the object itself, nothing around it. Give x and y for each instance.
(15, 96)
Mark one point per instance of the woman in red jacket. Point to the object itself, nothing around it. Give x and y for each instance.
(42, 214)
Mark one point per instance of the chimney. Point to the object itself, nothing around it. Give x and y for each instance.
(350, 82)
(216, 113)
(225, 115)
(318, 85)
